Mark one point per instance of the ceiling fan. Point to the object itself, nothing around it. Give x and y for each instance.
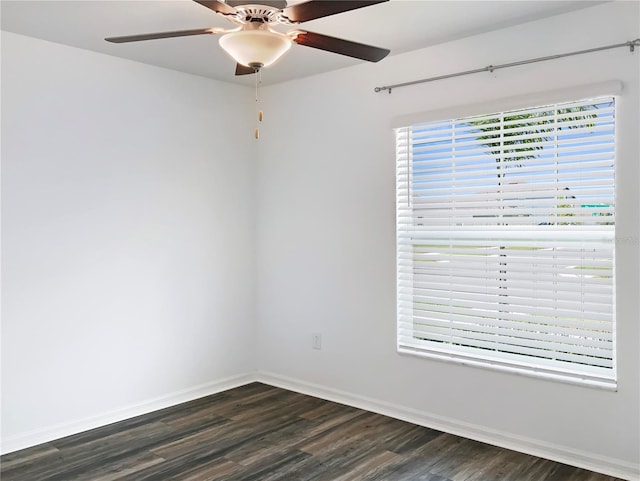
(254, 43)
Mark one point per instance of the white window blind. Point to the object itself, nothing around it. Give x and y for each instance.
(505, 226)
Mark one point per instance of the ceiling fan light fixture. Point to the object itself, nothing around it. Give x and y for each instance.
(255, 47)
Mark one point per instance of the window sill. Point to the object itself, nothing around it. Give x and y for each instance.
(535, 372)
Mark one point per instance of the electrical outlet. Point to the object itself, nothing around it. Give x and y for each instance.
(316, 341)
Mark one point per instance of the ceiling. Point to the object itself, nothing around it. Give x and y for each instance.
(400, 25)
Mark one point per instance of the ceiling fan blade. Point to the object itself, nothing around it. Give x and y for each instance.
(338, 45)
(153, 36)
(217, 7)
(303, 12)
(244, 70)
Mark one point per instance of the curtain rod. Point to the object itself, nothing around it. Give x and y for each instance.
(490, 68)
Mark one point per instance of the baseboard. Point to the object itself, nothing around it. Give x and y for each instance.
(562, 454)
(50, 433)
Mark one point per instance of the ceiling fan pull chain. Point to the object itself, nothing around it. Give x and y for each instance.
(259, 112)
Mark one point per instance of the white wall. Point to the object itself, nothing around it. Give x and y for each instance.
(326, 242)
(127, 237)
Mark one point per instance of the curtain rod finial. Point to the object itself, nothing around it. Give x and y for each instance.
(380, 89)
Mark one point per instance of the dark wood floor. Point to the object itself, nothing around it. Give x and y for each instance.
(262, 433)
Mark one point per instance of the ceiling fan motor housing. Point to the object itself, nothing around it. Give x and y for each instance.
(264, 12)
(253, 13)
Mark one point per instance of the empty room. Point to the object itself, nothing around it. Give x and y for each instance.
(320, 240)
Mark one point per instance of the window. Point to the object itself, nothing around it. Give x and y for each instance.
(505, 238)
